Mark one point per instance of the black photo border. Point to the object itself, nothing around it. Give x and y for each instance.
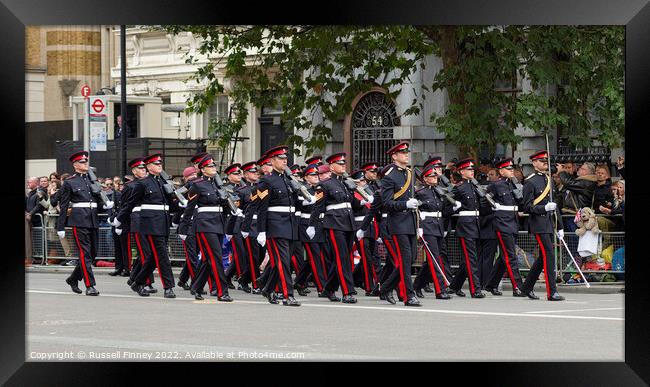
(635, 15)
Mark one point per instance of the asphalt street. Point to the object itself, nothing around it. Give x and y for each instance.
(119, 325)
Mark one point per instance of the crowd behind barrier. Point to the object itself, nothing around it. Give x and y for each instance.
(607, 265)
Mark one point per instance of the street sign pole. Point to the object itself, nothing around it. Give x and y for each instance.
(123, 107)
(86, 134)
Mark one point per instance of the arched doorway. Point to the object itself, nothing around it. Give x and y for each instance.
(371, 126)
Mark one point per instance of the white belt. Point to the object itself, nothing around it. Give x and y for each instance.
(282, 209)
(468, 213)
(298, 213)
(136, 209)
(338, 206)
(210, 209)
(384, 215)
(84, 205)
(434, 214)
(255, 216)
(158, 207)
(305, 216)
(508, 208)
(359, 218)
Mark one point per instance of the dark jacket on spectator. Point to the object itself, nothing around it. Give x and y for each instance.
(603, 195)
(581, 191)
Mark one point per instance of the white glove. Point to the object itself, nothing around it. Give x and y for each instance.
(444, 235)
(309, 202)
(116, 223)
(420, 232)
(61, 234)
(182, 236)
(412, 203)
(550, 206)
(239, 212)
(174, 225)
(497, 207)
(108, 205)
(182, 204)
(363, 201)
(311, 232)
(422, 216)
(118, 231)
(379, 240)
(457, 205)
(360, 234)
(228, 237)
(244, 234)
(560, 234)
(261, 238)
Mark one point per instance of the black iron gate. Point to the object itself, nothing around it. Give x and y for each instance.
(373, 120)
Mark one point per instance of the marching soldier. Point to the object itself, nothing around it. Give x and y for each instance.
(122, 266)
(190, 268)
(371, 230)
(338, 225)
(541, 220)
(155, 205)
(248, 194)
(467, 231)
(315, 262)
(318, 160)
(129, 219)
(365, 245)
(433, 210)
(79, 210)
(297, 251)
(205, 209)
(233, 229)
(506, 225)
(275, 219)
(398, 197)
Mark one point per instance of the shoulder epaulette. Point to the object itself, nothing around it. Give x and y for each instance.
(419, 189)
(389, 171)
(529, 176)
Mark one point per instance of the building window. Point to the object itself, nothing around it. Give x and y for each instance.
(219, 109)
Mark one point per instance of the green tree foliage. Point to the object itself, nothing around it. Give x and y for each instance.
(316, 71)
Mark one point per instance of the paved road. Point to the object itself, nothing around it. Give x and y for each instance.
(120, 325)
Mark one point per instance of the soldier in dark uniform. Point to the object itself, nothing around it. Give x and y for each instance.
(297, 250)
(336, 203)
(247, 194)
(318, 160)
(155, 206)
(79, 210)
(432, 211)
(122, 266)
(371, 230)
(487, 243)
(129, 219)
(398, 196)
(364, 272)
(315, 262)
(537, 204)
(191, 265)
(233, 228)
(506, 225)
(467, 231)
(205, 209)
(275, 219)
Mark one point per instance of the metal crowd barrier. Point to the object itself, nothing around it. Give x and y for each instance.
(46, 245)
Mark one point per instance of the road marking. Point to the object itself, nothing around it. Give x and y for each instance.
(395, 308)
(573, 310)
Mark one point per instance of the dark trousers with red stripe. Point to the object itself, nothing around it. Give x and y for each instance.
(211, 266)
(545, 261)
(138, 240)
(486, 253)
(405, 249)
(469, 265)
(156, 258)
(429, 271)
(251, 255)
(340, 271)
(86, 240)
(191, 265)
(125, 251)
(120, 256)
(364, 273)
(298, 261)
(391, 266)
(314, 265)
(507, 261)
(239, 264)
(279, 250)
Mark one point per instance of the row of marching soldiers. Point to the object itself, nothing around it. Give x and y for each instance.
(311, 220)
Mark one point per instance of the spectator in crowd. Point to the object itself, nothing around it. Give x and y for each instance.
(620, 166)
(602, 193)
(492, 175)
(519, 175)
(64, 176)
(54, 176)
(570, 168)
(30, 203)
(579, 191)
(617, 206)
